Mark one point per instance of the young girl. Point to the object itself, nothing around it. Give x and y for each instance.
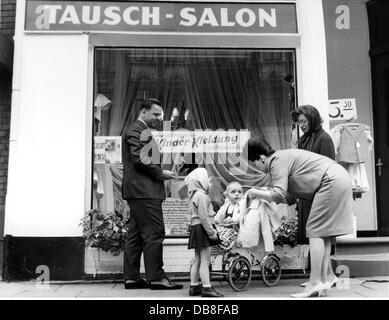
(203, 234)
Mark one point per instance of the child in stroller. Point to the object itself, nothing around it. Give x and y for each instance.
(228, 217)
(243, 225)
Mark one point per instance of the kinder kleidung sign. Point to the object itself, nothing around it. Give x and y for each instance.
(194, 17)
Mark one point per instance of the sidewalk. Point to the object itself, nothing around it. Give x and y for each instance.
(359, 288)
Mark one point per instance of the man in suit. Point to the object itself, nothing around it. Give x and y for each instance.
(144, 190)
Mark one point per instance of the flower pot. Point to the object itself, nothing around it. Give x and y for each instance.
(293, 258)
(98, 261)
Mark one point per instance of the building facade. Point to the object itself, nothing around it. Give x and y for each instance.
(81, 70)
(7, 27)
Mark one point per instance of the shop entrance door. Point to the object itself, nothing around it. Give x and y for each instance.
(380, 74)
(379, 52)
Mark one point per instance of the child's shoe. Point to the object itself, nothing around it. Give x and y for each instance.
(210, 292)
(195, 290)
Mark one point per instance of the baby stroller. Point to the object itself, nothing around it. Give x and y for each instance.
(238, 265)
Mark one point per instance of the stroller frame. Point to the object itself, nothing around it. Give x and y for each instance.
(237, 269)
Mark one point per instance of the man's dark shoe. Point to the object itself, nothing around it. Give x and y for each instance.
(165, 284)
(195, 290)
(136, 284)
(210, 292)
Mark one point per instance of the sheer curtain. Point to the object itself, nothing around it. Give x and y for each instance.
(202, 89)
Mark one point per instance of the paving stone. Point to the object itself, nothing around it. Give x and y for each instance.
(358, 288)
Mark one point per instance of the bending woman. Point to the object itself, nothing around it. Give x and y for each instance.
(316, 140)
(309, 176)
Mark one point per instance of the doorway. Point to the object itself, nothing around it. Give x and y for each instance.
(380, 82)
(378, 13)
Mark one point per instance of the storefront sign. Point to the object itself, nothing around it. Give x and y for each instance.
(197, 17)
(342, 109)
(202, 141)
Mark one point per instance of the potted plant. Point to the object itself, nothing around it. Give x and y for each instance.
(292, 255)
(107, 232)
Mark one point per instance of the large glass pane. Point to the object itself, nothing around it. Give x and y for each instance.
(212, 89)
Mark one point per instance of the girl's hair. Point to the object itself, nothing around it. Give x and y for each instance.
(257, 147)
(312, 114)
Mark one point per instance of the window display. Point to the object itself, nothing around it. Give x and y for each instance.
(214, 100)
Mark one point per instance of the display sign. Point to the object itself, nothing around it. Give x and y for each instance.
(342, 109)
(197, 17)
(201, 141)
(108, 149)
(176, 217)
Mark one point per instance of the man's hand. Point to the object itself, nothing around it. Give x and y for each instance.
(167, 174)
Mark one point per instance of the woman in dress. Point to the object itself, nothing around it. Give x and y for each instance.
(316, 140)
(309, 176)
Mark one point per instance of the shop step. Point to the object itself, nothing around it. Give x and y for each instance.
(361, 265)
(362, 257)
(358, 246)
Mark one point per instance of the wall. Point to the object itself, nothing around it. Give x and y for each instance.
(7, 26)
(46, 185)
(311, 59)
(7, 17)
(5, 113)
(349, 76)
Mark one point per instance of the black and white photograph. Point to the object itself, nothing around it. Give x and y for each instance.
(194, 151)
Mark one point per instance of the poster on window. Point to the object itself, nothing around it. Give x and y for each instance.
(108, 149)
(202, 141)
(176, 217)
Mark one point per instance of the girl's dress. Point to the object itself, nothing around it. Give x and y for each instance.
(202, 224)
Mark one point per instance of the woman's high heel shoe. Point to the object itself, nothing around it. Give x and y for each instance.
(313, 291)
(329, 284)
(323, 293)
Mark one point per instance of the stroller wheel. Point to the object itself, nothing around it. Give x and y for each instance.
(239, 274)
(228, 257)
(270, 270)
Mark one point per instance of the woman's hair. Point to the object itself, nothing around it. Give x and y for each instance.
(257, 147)
(311, 113)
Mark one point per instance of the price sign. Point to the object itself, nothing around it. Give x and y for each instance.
(342, 109)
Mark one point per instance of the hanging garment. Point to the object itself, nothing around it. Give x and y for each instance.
(352, 141)
(101, 103)
(258, 222)
(357, 172)
(353, 144)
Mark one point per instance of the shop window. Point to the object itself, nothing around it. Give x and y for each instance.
(250, 91)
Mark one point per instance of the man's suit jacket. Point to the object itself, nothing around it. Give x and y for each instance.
(142, 173)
